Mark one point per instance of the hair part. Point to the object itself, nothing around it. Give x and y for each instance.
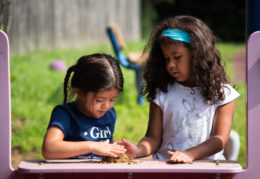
(206, 69)
(93, 73)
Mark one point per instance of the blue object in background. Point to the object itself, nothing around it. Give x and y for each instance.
(124, 61)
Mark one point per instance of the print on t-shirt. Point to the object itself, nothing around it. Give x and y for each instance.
(98, 133)
(190, 125)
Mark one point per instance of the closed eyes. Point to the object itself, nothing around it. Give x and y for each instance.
(175, 58)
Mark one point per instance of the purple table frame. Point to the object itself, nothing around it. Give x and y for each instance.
(253, 125)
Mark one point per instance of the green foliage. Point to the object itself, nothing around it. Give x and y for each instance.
(227, 51)
(36, 89)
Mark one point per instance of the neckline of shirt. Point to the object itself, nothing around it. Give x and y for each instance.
(186, 87)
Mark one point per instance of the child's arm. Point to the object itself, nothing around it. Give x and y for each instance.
(54, 147)
(152, 140)
(219, 137)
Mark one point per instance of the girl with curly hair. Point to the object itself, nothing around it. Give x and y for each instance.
(191, 102)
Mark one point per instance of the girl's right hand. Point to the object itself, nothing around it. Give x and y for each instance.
(130, 147)
(107, 149)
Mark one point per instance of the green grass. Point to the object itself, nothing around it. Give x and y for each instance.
(36, 89)
(239, 122)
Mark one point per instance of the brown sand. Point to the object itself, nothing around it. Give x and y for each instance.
(120, 159)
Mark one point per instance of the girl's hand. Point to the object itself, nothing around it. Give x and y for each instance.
(130, 147)
(181, 156)
(107, 149)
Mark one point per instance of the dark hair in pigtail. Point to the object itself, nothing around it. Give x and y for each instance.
(93, 73)
(65, 84)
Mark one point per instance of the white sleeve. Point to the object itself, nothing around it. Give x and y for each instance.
(230, 94)
(158, 98)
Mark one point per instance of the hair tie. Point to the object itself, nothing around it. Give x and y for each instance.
(176, 34)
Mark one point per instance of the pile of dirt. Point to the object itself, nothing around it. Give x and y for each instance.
(120, 159)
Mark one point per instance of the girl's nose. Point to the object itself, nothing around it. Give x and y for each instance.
(171, 64)
(105, 105)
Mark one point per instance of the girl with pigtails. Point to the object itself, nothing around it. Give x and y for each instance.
(84, 128)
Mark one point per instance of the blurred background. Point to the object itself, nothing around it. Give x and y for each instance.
(43, 31)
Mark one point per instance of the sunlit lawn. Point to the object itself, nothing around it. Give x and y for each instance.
(36, 89)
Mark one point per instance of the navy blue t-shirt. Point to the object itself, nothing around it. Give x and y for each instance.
(78, 127)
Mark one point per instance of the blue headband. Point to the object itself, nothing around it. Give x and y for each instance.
(176, 34)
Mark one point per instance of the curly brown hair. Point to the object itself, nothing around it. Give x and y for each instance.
(206, 69)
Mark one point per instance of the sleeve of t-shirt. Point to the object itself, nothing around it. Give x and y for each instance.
(61, 119)
(230, 95)
(159, 97)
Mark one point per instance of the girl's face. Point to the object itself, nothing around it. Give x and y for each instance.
(96, 104)
(177, 62)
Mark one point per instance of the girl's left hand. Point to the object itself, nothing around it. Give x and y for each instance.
(181, 156)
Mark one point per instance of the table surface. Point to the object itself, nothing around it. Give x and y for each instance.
(141, 166)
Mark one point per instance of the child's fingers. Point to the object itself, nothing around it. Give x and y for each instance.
(112, 155)
(118, 147)
(175, 156)
(113, 150)
(121, 148)
(127, 142)
(123, 142)
(118, 150)
(179, 156)
(120, 143)
(170, 153)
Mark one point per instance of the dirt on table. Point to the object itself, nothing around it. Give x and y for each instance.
(172, 162)
(120, 159)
